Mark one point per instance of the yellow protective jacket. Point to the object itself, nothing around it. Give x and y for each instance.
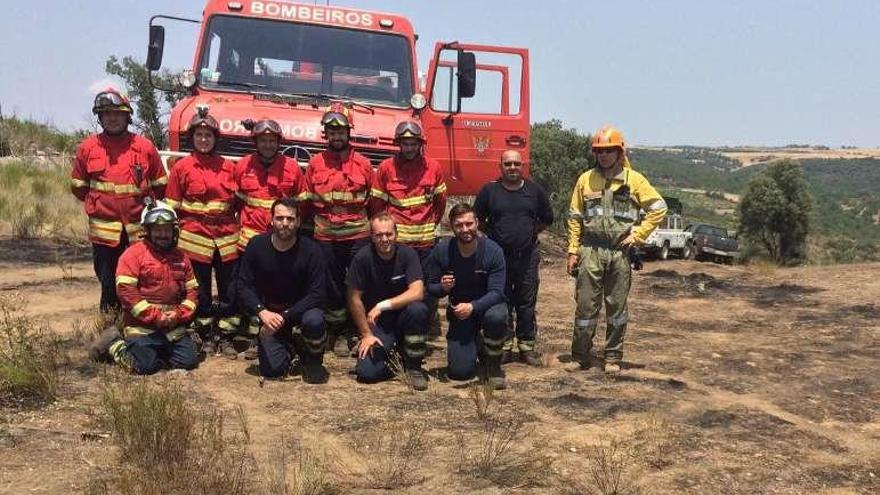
(596, 211)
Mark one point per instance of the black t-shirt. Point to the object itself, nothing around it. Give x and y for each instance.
(511, 218)
(292, 279)
(380, 279)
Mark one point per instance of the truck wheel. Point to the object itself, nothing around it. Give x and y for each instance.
(664, 251)
(687, 251)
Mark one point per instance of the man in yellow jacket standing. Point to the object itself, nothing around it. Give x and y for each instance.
(603, 226)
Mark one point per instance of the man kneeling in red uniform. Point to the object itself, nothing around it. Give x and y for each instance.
(158, 292)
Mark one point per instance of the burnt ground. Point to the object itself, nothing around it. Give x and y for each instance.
(737, 380)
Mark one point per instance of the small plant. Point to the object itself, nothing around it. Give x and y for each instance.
(65, 265)
(29, 224)
(308, 474)
(167, 446)
(395, 363)
(30, 357)
(482, 395)
(652, 442)
(611, 470)
(393, 452)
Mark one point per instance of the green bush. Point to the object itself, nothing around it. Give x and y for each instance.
(31, 358)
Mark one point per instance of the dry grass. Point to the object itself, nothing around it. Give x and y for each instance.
(393, 452)
(31, 357)
(499, 450)
(298, 469)
(168, 446)
(22, 137)
(395, 363)
(482, 395)
(653, 442)
(35, 200)
(611, 471)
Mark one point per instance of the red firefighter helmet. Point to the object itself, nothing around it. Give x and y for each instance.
(202, 119)
(110, 99)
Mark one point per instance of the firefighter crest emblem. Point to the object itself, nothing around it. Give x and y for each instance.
(481, 144)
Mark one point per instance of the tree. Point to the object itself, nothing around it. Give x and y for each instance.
(151, 105)
(775, 212)
(558, 157)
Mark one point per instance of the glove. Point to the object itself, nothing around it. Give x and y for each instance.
(635, 260)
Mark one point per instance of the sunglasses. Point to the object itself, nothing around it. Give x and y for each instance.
(604, 151)
(511, 164)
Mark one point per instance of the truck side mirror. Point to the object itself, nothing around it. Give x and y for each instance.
(155, 47)
(467, 74)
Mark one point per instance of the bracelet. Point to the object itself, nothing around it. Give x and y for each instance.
(384, 305)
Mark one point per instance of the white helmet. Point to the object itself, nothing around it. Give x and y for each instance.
(156, 212)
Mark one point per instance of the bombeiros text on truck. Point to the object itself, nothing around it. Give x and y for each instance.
(290, 62)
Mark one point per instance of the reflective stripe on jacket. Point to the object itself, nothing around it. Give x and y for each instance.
(202, 190)
(112, 175)
(339, 192)
(150, 282)
(601, 212)
(414, 194)
(258, 188)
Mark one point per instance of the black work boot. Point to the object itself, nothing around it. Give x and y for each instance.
(416, 376)
(251, 352)
(531, 358)
(99, 350)
(507, 356)
(313, 370)
(494, 374)
(226, 348)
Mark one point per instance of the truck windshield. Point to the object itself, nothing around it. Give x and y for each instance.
(258, 55)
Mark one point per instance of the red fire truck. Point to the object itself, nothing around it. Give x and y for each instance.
(290, 62)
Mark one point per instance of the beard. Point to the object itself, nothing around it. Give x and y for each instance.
(284, 234)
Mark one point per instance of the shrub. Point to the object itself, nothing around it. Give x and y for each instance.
(167, 446)
(31, 358)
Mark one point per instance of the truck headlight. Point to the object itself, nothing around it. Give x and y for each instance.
(187, 79)
(418, 101)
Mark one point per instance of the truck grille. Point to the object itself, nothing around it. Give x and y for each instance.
(295, 149)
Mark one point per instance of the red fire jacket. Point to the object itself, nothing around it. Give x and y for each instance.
(151, 283)
(339, 191)
(259, 187)
(112, 175)
(202, 190)
(414, 193)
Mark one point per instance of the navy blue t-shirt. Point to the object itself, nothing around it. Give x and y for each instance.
(380, 279)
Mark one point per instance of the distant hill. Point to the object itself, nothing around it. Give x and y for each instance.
(847, 206)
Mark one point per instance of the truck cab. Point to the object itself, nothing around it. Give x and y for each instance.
(291, 62)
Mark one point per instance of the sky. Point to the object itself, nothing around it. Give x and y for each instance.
(666, 72)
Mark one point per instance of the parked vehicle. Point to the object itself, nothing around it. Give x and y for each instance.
(712, 243)
(670, 237)
(291, 62)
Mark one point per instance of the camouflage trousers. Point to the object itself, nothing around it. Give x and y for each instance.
(604, 275)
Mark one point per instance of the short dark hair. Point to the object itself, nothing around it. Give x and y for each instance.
(459, 210)
(288, 202)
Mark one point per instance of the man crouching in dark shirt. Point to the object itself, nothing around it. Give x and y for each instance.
(385, 292)
(281, 281)
(470, 270)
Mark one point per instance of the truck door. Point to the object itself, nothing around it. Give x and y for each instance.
(478, 106)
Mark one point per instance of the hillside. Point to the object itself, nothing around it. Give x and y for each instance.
(846, 207)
